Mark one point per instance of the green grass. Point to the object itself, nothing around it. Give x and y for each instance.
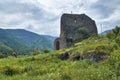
(50, 67)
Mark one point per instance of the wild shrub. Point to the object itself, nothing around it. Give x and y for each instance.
(46, 51)
(117, 40)
(27, 68)
(2, 55)
(110, 36)
(116, 31)
(114, 34)
(35, 52)
(104, 48)
(9, 71)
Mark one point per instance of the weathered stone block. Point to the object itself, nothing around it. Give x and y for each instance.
(74, 27)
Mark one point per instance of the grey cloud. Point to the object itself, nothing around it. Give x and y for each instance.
(16, 7)
(45, 18)
(105, 7)
(36, 13)
(28, 11)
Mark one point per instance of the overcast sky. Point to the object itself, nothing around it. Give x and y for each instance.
(43, 16)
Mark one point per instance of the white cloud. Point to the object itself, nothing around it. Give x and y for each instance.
(43, 16)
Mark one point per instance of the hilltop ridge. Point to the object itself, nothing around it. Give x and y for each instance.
(23, 41)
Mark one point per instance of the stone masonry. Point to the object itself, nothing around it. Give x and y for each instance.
(74, 27)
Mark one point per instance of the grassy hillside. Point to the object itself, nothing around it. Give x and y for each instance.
(49, 66)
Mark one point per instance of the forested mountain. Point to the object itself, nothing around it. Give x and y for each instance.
(23, 41)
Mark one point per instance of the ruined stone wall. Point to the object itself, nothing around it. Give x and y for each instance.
(57, 44)
(75, 27)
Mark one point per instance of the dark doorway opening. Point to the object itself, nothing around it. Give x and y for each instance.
(57, 45)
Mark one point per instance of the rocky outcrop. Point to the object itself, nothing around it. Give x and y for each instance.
(77, 57)
(64, 56)
(74, 27)
(94, 56)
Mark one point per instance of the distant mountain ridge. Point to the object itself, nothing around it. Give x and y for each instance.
(23, 41)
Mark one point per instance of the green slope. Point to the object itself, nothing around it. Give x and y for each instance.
(23, 41)
(32, 39)
(50, 67)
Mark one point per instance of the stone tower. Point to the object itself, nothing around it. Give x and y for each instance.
(74, 27)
